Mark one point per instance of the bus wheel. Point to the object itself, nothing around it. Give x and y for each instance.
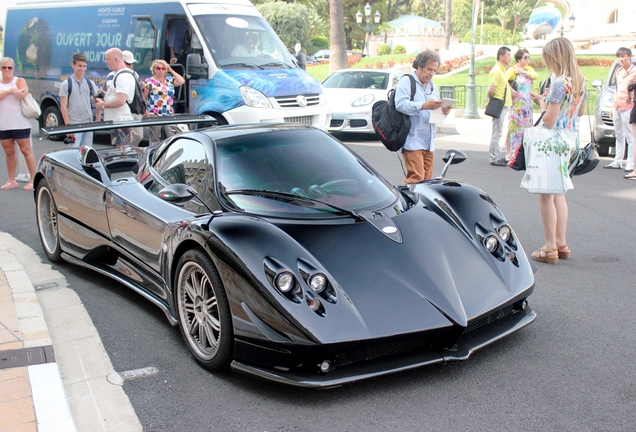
(52, 117)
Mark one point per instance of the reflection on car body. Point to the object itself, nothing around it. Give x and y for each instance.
(283, 255)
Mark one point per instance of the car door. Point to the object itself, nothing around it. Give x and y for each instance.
(141, 222)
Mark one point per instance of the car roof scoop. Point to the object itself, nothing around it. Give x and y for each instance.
(382, 223)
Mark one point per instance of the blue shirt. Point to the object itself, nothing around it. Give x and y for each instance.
(422, 133)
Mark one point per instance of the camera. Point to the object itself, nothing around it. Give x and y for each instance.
(69, 140)
(100, 95)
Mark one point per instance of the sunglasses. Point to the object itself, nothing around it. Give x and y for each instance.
(526, 57)
(160, 68)
(7, 67)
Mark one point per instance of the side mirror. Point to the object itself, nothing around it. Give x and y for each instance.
(194, 67)
(88, 156)
(597, 84)
(177, 193)
(452, 157)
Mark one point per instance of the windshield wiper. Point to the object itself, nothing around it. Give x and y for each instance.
(249, 65)
(277, 64)
(294, 199)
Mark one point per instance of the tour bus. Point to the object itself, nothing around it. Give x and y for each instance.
(265, 86)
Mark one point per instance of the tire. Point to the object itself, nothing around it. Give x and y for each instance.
(52, 117)
(47, 220)
(603, 150)
(201, 299)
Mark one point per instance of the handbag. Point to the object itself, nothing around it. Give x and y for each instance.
(30, 108)
(518, 160)
(513, 84)
(495, 106)
(585, 159)
(547, 152)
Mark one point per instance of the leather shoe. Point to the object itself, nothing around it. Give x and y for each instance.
(499, 162)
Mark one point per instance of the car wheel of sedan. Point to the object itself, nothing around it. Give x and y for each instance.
(204, 312)
(47, 218)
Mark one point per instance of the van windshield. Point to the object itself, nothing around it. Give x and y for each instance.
(242, 42)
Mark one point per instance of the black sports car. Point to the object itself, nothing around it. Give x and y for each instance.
(282, 254)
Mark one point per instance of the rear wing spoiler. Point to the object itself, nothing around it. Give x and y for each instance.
(109, 125)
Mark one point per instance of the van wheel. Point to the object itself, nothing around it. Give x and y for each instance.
(603, 150)
(52, 117)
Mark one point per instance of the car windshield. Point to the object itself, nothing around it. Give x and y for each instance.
(242, 42)
(263, 173)
(358, 80)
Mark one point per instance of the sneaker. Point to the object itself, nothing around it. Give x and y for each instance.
(613, 165)
(627, 170)
(500, 162)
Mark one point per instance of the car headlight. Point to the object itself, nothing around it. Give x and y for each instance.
(505, 232)
(318, 283)
(491, 243)
(362, 101)
(284, 282)
(253, 98)
(607, 99)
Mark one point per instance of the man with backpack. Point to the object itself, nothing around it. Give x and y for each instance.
(419, 147)
(119, 95)
(75, 100)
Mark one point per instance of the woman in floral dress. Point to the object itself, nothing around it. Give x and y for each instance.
(565, 101)
(521, 110)
(159, 94)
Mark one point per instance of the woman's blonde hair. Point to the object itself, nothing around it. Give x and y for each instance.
(7, 59)
(559, 57)
(158, 62)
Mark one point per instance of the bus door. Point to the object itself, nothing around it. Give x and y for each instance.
(177, 44)
(144, 42)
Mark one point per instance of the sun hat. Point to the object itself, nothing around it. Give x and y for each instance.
(129, 58)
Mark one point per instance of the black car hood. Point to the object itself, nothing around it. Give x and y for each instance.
(411, 288)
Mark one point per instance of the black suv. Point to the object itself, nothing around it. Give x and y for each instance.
(603, 123)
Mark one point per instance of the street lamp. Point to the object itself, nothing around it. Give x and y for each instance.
(470, 110)
(367, 20)
(570, 26)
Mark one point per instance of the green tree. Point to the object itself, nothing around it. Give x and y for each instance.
(503, 15)
(521, 11)
(290, 21)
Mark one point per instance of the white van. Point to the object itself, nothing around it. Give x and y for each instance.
(221, 81)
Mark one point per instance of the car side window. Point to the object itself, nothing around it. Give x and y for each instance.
(184, 161)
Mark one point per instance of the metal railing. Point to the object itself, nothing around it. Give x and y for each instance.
(459, 93)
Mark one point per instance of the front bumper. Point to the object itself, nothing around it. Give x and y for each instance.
(467, 344)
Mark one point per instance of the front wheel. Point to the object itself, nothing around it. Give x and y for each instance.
(203, 311)
(47, 219)
(51, 118)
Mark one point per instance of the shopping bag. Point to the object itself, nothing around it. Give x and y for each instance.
(30, 108)
(547, 152)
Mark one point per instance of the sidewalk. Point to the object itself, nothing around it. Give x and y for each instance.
(54, 372)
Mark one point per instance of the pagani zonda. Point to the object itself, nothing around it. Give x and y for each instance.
(282, 254)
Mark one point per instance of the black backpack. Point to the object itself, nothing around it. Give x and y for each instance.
(70, 88)
(138, 105)
(391, 125)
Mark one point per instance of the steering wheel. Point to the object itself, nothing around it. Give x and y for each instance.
(341, 186)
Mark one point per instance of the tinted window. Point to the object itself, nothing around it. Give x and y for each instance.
(307, 163)
(183, 161)
(359, 80)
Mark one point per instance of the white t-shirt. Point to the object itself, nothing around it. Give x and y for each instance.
(125, 84)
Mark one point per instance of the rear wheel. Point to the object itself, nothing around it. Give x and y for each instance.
(603, 150)
(203, 311)
(51, 118)
(47, 219)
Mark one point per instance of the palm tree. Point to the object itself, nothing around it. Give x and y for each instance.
(338, 53)
(503, 14)
(521, 10)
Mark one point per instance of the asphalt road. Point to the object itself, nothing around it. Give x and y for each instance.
(572, 369)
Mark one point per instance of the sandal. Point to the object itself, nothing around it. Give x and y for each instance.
(549, 256)
(630, 176)
(564, 252)
(9, 185)
(28, 187)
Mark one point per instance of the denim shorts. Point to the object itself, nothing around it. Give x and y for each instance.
(15, 134)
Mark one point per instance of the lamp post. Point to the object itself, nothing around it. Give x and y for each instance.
(367, 20)
(470, 110)
(570, 26)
